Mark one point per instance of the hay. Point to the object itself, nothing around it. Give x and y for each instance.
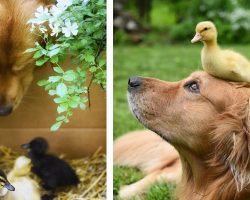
(91, 171)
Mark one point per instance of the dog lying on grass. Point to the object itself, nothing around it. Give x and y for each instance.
(207, 121)
(152, 155)
(16, 67)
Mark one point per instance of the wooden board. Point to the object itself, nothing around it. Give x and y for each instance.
(37, 112)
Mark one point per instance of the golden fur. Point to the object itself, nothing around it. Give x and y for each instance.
(16, 68)
(149, 153)
(207, 121)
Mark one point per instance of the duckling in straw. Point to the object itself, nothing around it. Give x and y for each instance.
(225, 64)
(5, 184)
(26, 188)
(53, 171)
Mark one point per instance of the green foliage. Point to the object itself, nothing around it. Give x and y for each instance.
(177, 19)
(160, 191)
(77, 31)
(125, 176)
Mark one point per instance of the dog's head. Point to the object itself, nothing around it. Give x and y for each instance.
(13, 86)
(16, 67)
(201, 115)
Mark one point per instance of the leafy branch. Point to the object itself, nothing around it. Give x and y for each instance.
(77, 30)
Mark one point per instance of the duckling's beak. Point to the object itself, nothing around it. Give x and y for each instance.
(9, 186)
(196, 38)
(25, 146)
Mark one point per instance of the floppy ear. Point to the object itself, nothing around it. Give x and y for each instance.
(232, 137)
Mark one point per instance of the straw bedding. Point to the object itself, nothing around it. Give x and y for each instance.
(91, 171)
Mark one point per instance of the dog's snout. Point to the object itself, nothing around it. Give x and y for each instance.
(134, 82)
(5, 110)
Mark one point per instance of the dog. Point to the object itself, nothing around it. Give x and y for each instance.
(152, 155)
(16, 67)
(207, 121)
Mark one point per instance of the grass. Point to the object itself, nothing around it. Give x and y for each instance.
(165, 62)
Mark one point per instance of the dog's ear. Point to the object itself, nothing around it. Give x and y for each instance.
(232, 139)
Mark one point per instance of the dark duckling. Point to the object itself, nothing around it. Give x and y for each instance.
(53, 171)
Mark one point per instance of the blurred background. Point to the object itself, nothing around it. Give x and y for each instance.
(152, 38)
(173, 21)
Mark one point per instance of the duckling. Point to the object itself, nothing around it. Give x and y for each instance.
(224, 64)
(26, 188)
(5, 185)
(53, 171)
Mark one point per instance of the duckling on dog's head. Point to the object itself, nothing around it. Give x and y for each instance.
(205, 32)
(37, 146)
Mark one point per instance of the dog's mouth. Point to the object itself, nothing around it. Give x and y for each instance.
(142, 103)
(139, 102)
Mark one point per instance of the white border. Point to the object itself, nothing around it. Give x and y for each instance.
(109, 133)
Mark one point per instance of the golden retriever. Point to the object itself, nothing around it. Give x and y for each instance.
(207, 121)
(16, 67)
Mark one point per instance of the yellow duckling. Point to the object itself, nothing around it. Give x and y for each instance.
(4, 184)
(25, 187)
(225, 64)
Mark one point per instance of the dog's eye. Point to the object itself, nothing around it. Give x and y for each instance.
(192, 86)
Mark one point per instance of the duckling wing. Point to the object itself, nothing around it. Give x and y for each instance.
(238, 65)
(55, 172)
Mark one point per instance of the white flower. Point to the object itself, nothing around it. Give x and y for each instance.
(42, 14)
(70, 29)
(42, 29)
(85, 2)
(55, 27)
(56, 11)
(64, 4)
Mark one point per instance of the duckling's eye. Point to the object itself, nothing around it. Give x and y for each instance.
(205, 29)
(192, 86)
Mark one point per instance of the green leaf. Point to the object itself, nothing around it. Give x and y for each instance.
(92, 69)
(42, 61)
(56, 126)
(73, 104)
(52, 92)
(53, 46)
(42, 82)
(38, 54)
(58, 70)
(60, 100)
(54, 59)
(70, 75)
(89, 58)
(60, 118)
(53, 52)
(54, 79)
(61, 90)
(102, 62)
(30, 50)
(62, 107)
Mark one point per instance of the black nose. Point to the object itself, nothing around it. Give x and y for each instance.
(5, 110)
(134, 82)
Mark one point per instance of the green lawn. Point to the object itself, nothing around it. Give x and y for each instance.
(165, 62)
